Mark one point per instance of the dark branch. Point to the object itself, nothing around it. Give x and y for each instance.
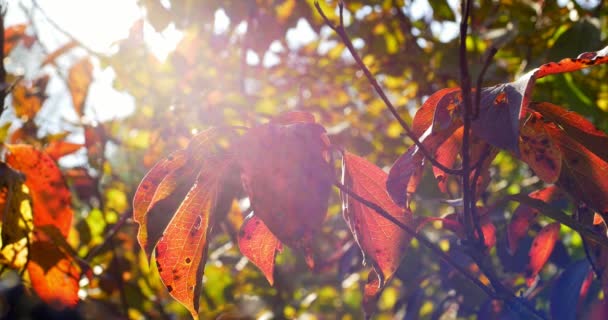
(339, 29)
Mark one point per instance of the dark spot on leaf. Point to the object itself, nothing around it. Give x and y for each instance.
(188, 260)
(169, 288)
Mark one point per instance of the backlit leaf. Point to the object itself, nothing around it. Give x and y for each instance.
(576, 126)
(52, 272)
(181, 251)
(583, 172)
(80, 77)
(285, 172)
(259, 245)
(60, 148)
(383, 243)
(541, 249)
(538, 150)
(29, 97)
(524, 216)
(50, 195)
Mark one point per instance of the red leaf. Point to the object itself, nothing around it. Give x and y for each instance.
(58, 149)
(525, 215)
(576, 126)
(538, 150)
(446, 154)
(181, 251)
(383, 243)
(259, 245)
(541, 249)
(425, 116)
(584, 60)
(410, 164)
(146, 194)
(285, 172)
(488, 229)
(163, 189)
(501, 105)
(583, 172)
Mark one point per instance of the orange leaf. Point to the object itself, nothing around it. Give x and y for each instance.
(13, 35)
(541, 249)
(147, 189)
(50, 195)
(524, 215)
(163, 189)
(29, 97)
(181, 251)
(53, 274)
(584, 60)
(51, 57)
(538, 150)
(58, 149)
(80, 77)
(383, 243)
(259, 245)
(285, 172)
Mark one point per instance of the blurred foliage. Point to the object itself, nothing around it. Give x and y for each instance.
(261, 64)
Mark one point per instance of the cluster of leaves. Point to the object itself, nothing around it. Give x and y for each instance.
(268, 186)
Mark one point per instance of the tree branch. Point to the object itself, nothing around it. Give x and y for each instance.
(501, 292)
(339, 29)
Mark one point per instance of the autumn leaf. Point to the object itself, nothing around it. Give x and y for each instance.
(16, 217)
(541, 250)
(15, 34)
(538, 150)
(80, 77)
(181, 251)
(447, 154)
(524, 215)
(95, 139)
(29, 97)
(383, 243)
(50, 195)
(285, 172)
(59, 148)
(259, 245)
(53, 274)
(576, 126)
(583, 172)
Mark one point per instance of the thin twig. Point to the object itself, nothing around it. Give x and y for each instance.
(482, 74)
(422, 239)
(465, 84)
(501, 292)
(339, 29)
(109, 235)
(3, 85)
(63, 31)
